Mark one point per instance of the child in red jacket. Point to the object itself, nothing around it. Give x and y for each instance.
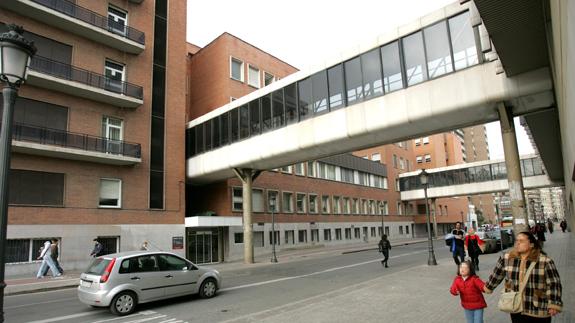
(470, 288)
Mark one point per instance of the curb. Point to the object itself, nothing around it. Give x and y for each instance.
(40, 286)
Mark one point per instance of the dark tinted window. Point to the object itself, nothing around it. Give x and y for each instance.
(414, 59)
(266, 102)
(290, 95)
(392, 78)
(277, 108)
(156, 189)
(38, 113)
(255, 124)
(305, 98)
(437, 50)
(125, 266)
(98, 266)
(216, 131)
(353, 81)
(36, 188)
(371, 70)
(208, 134)
(225, 128)
(159, 91)
(244, 121)
(319, 91)
(235, 125)
(169, 262)
(336, 91)
(146, 264)
(160, 41)
(200, 138)
(157, 142)
(191, 142)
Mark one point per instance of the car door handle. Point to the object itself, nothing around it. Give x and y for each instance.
(135, 278)
(169, 276)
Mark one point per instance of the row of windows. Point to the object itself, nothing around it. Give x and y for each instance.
(419, 141)
(444, 47)
(401, 163)
(289, 202)
(42, 188)
(302, 235)
(425, 158)
(254, 76)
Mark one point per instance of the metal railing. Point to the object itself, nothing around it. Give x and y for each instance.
(474, 174)
(72, 73)
(88, 16)
(62, 138)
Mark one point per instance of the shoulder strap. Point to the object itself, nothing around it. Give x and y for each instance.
(526, 277)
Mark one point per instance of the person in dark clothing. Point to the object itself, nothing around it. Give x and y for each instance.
(98, 249)
(457, 247)
(550, 226)
(473, 246)
(563, 225)
(540, 234)
(384, 246)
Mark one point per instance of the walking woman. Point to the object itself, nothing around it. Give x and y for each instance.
(473, 246)
(542, 293)
(384, 246)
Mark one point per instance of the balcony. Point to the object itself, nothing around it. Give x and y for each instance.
(70, 17)
(68, 145)
(69, 79)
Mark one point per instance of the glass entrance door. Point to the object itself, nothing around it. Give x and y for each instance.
(203, 247)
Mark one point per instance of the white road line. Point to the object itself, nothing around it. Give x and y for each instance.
(146, 319)
(125, 317)
(316, 273)
(39, 303)
(170, 320)
(67, 317)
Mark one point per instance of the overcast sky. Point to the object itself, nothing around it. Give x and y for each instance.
(305, 32)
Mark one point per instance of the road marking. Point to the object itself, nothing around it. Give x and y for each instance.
(39, 303)
(129, 316)
(147, 319)
(316, 273)
(67, 317)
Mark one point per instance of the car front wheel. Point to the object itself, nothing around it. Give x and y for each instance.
(123, 304)
(208, 288)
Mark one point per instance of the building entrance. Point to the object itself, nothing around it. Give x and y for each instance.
(203, 246)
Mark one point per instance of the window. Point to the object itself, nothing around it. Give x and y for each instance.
(319, 92)
(35, 188)
(287, 202)
(299, 169)
(406, 229)
(327, 234)
(337, 234)
(325, 209)
(356, 233)
(372, 233)
(114, 73)
(302, 236)
(237, 199)
(171, 263)
(418, 142)
(336, 91)
(314, 235)
(268, 78)
(112, 131)
(273, 196)
(287, 169)
(363, 178)
(110, 193)
(364, 207)
(258, 239)
(346, 175)
(400, 229)
(24, 250)
(353, 80)
(385, 183)
(278, 116)
(239, 237)
(419, 159)
(257, 200)
(255, 125)
(392, 78)
(371, 70)
(376, 157)
(394, 161)
(414, 58)
(336, 205)
(462, 41)
(266, 106)
(437, 50)
(385, 208)
(311, 169)
(427, 158)
(372, 208)
(300, 203)
(397, 184)
(355, 206)
(117, 20)
(401, 163)
(236, 69)
(277, 237)
(253, 76)
(425, 140)
(305, 98)
(312, 203)
(346, 205)
(326, 171)
(290, 95)
(289, 237)
(399, 208)
(347, 233)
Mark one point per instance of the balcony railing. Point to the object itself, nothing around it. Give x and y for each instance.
(61, 138)
(72, 73)
(88, 16)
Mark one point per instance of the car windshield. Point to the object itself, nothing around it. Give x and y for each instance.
(98, 266)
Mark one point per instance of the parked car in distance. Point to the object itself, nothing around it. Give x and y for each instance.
(123, 280)
(490, 245)
(503, 238)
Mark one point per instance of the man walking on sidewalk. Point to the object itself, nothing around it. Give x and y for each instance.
(457, 247)
(384, 247)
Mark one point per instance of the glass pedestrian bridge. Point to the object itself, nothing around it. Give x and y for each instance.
(426, 77)
(472, 178)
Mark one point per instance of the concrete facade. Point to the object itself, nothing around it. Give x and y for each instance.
(80, 217)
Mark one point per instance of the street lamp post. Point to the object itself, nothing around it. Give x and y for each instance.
(424, 178)
(15, 55)
(272, 208)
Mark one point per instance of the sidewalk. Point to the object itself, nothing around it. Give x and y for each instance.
(27, 284)
(417, 294)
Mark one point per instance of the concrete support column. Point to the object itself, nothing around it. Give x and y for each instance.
(433, 205)
(513, 165)
(247, 176)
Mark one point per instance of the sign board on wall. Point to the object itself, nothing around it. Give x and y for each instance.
(178, 242)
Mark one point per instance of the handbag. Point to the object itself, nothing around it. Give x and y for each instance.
(512, 302)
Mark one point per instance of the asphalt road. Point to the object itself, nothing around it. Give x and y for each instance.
(246, 291)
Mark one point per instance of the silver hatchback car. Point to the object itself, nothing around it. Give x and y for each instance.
(123, 280)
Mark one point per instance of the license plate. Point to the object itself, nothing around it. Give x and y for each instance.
(84, 283)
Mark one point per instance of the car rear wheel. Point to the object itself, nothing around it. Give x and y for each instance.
(124, 303)
(208, 288)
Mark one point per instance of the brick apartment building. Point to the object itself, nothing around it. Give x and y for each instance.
(98, 136)
(337, 200)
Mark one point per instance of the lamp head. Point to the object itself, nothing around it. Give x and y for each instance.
(15, 55)
(424, 177)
